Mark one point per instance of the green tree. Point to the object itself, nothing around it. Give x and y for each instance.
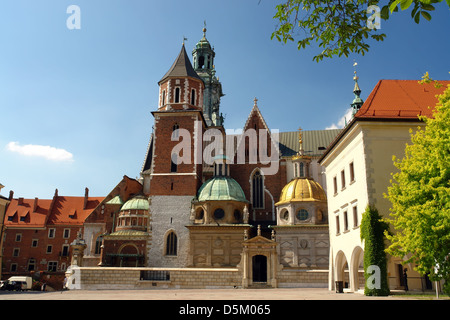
(420, 196)
(372, 232)
(341, 27)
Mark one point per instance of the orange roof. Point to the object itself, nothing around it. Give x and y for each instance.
(69, 210)
(65, 211)
(21, 213)
(400, 99)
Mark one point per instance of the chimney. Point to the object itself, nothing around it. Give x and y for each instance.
(86, 196)
(53, 201)
(20, 201)
(35, 204)
(11, 195)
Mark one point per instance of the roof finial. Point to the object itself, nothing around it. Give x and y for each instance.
(184, 39)
(204, 28)
(357, 101)
(255, 102)
(300, 141)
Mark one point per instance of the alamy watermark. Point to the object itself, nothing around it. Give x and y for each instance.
(374, 20)
(74, 20)
(236, 147)
(374, 280)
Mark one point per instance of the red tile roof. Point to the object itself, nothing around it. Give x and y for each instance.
(25, 208)
(69, 210)
(64, 211)
(400, 99)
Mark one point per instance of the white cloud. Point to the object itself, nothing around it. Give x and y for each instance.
(47, 152)
(341, 123)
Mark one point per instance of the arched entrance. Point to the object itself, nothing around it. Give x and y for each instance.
(341, 271)
(357, 269)
(259, 263)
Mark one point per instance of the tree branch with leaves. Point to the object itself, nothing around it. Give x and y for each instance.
(340, 27)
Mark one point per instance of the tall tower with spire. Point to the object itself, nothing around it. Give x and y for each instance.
(203, 56)
(357, 101)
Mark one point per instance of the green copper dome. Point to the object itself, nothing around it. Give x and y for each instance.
(137, 203)
(221, 188)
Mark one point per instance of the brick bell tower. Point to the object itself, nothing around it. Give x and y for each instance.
(178, 121)
(172, 170)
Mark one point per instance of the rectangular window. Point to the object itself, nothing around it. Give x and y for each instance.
(335, 185)
(345, 221)
(18, 237)
(355, 217)
(51, 233)
(49, 248)
(16, 252)
(65, 250)
(177, 95)
(352, 172)
(13, 267)
(66, 234)
(343, 179)
(338, 229)
(173, 163)
(31, 264)
(52, 266)
(34, 243)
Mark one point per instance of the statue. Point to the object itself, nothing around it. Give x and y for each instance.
(245, 214)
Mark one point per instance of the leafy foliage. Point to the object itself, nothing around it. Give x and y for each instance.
(372, 232)
(339, 27)
(420, 196)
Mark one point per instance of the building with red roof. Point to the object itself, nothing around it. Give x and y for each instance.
(358, 166)
(38, 234)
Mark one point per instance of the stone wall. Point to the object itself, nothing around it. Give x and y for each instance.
(180, 278)
(189, 278)
(169, 213)
(299, 278)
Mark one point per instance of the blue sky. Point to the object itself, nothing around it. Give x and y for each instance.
(86, 95)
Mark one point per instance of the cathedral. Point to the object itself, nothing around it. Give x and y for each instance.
(253, 201)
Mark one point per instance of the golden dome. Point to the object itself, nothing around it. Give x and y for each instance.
(300, 190)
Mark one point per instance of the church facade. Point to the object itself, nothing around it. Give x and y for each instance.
(253, 202)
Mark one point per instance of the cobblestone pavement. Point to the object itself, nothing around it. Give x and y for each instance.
(194, 294)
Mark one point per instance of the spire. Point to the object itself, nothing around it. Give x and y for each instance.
(255, 102)
(300, 142)
(357, 101)
(203, 57)
(182, 67)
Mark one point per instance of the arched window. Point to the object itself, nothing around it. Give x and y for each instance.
(98, 245)
(302, 170)
(177, 95)
(258, 190)
(171, 244)
(201, 62)
(193, 97)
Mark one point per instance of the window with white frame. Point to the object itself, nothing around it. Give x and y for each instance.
(51, 233)
(352, 172)
(66, 234)
(355, 216)
(52, 266)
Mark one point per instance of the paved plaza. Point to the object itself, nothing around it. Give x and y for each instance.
(195, 294)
